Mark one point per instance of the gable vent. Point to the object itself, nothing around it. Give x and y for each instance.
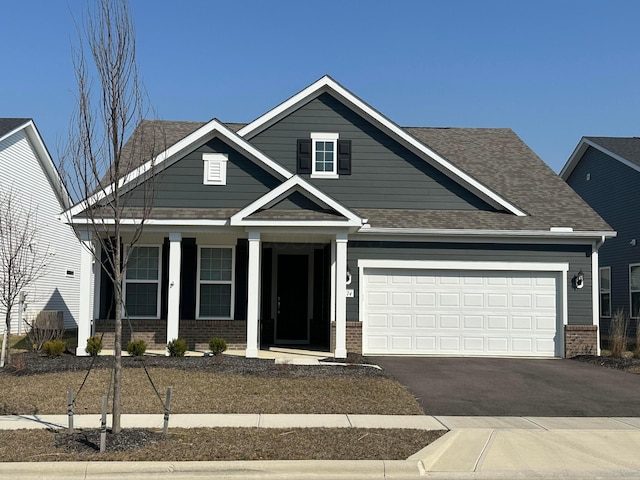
(215, 168)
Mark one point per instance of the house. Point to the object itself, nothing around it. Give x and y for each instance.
(27, 170)
(324, 224)
(605, 172)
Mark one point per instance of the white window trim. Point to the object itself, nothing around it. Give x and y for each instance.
(602, 290)
(221, 159)
(216, 282)
(632, 291)
(324, 137)
(125, 281)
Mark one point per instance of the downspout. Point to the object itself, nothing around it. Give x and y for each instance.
(595, 285)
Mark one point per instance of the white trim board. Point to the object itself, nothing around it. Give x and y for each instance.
(464, 265)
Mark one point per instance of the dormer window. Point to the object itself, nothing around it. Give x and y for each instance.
(215, 168)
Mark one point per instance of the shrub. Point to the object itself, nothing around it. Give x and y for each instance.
(618, 334)
(44, 326)
(136, 348)
(217, 345)
(94, 346)
(177, 347)
(54, 348)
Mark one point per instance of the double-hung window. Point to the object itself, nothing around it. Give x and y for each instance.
(215, 282)
(605, 291)
(324, 147)
(142, 282)
(634, 289)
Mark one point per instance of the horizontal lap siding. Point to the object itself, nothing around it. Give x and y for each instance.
(181, 185)
(578, 257)
(613, 191)
(21, 171)
(384, 173)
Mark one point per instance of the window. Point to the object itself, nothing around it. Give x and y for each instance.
(634, 289)
(215, 168)
(323, 150)
(215, 282)
(605, 291)
(142, 282)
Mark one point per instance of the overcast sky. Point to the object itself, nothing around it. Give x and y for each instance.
(552, 70)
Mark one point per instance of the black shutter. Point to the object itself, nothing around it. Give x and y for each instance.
(344, 157)
(188, 280)
(304, 155)
(241, 279)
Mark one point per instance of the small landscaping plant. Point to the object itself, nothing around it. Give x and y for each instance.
(94, 346)
(618, 334)
(217, 345)
(136, 348)
(54, 348)
(177, 347)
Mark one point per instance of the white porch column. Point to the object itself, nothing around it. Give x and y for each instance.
(173, 300)
(341, 296)
(85, 311)
(253, 295)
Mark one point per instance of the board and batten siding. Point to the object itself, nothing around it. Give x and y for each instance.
(59, 288)
(181, 184)
(384, 173)
(612, 189)
(578, 257)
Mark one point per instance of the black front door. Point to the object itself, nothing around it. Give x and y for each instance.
(292, 295)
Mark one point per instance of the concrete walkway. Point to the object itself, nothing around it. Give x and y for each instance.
(475, 447)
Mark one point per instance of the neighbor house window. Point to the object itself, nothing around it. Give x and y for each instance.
(634, 289)
(605, 292)
(324, 154)
(142, 282)
(215, 282)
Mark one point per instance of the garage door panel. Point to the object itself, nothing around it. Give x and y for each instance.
(455, 312)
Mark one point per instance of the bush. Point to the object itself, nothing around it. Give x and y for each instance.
(54, 348)
(177, 347)
(136, 348)
(94, 346)
(44, 326)
(217, 345)
(618, 334)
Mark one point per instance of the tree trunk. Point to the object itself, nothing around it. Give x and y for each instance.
(7, 333)
(117, 347)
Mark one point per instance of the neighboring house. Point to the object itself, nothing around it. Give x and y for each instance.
(27, 170)
(324, 224)
(605, 172)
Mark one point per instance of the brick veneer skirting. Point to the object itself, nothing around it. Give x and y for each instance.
(354, 337)
(580, 340)
(197, 333)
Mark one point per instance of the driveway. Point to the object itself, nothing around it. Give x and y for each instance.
(518, 387)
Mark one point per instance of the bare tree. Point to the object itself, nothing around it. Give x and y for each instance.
(111, 103)
(22, 258)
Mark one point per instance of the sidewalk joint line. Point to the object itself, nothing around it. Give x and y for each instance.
(485, 448)
(349, 420)
(620, 420)
(536, 423)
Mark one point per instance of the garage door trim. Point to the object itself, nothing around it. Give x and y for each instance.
(555, 268)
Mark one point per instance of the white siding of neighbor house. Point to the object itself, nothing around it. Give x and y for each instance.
(21, 170)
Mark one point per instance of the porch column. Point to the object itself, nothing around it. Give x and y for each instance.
(97, 283)
(173, 300)
(341, 296)
(253, 295)
(86, 295)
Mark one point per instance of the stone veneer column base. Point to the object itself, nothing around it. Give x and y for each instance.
(580, 340)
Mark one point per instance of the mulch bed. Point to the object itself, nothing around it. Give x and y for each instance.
(627, 364)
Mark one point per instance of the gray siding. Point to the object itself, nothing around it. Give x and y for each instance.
(181, 184)
(384, 173)
(613, 191)
(578, 256)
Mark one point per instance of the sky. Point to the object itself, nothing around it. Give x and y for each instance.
(551, 70)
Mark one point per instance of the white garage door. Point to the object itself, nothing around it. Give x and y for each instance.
(480, 313)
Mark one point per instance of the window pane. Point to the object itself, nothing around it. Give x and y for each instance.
(215, 300)
(142, 299)
(635, 304)
(635, 277)
(143, 263)
(216, 264)
(605, 281)
(605, 305)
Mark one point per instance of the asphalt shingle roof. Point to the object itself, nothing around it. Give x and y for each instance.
(625, 147)
(496, 157)
(9, 124)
